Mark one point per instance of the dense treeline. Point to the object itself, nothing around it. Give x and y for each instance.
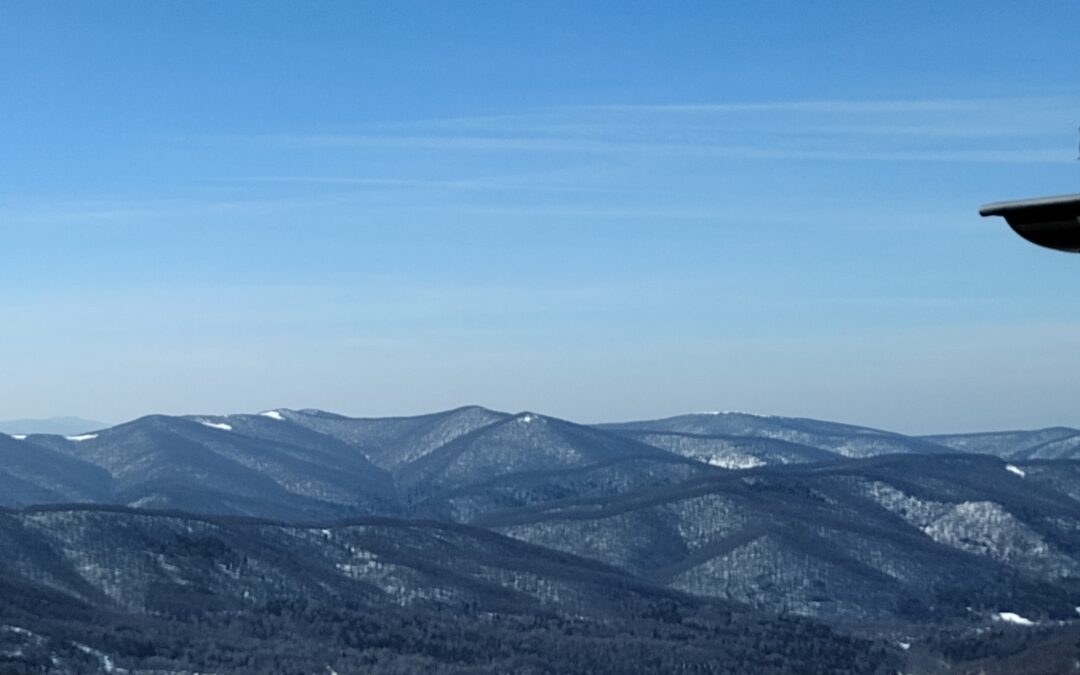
(1007, 650)
(301, 636)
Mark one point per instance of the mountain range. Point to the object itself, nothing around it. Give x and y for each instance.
(881, 537)
(455, 464)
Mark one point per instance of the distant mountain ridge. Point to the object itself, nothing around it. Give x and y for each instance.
(458, 464)
(313, 464)
(64, 426)
(842, 439)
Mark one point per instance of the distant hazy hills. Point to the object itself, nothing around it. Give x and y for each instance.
(69, 426)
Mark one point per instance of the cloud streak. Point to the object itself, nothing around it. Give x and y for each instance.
(834, 106)
(789, 148)
(1029, 130)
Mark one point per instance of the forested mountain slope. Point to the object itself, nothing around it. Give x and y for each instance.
(102, 589)
(915, 537)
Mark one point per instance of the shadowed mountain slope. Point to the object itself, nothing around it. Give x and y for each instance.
(392, 442)
(510, 492)
(33, 474)
(172, 462)
(168, 560)
(525, 444)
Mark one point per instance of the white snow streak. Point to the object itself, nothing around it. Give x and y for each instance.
(84, 437)
(217, 425)
(274, 415)
(1012, 617)
(19, 437)
(735, 461)
(1012, 468)
(16, 629)
(107, 664)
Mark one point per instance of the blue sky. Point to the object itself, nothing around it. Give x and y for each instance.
(602, 210)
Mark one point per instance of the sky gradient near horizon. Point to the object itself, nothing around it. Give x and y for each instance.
(600, 211)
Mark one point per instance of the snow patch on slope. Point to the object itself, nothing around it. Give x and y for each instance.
(1014, 618)
(274, 415)
(216, 425)
(735, 461)
(1012, 468)
(81, 438)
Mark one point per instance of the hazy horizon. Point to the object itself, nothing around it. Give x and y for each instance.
(600, 212)
(82, 424)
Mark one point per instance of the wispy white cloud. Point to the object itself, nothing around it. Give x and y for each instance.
(571, 118)
(557, 181)
(1026, 130)
(499, 164)
(837, 106)
(337, 180)
(789, 147)
(443, 142)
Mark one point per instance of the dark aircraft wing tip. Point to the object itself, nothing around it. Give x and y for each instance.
(1003, 208)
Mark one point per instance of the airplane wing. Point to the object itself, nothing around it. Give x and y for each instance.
(1053, 222)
